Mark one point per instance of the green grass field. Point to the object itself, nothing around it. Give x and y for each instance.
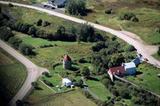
(148, 79)
(12, 75)
(156, 56)
(148, 16)
(99, 89)
(72, 98)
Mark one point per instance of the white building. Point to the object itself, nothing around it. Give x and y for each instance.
(66, 82)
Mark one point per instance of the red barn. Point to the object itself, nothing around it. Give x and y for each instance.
(120, 70)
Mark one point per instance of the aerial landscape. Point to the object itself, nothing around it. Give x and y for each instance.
(79, 52)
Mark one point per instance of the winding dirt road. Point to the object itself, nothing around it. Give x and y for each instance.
(33, 72)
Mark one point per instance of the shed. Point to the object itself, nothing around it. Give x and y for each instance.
(136, 61)
(116, 71)
(130, 68)
(66, 82)
(67, 62)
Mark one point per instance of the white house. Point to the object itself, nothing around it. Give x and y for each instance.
(66, 82)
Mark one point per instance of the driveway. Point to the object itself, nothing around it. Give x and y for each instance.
(33, 72)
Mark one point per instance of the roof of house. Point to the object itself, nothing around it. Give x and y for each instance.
(66, 80)
(66, 58)
(116, 70)
(129, 65)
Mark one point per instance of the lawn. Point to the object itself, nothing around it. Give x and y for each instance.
(72, 98)
(12, 75)
(99, 89)
(148, 79)
(27, 1)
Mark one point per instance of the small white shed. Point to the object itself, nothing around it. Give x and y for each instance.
(66, 82)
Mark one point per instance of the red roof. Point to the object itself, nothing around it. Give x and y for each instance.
(117, 70)
(66, 58)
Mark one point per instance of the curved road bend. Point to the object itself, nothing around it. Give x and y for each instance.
(129, 37)
(33, 72)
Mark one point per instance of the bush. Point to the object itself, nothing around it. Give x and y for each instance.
(129, 16)
(108, 11)
(5, 33)
(85, 72)
(130, 48)
(39, 22)
(48, 83)
(45, 23)
(158, 51)
(76, 7)
(15, 42)
(26, 49)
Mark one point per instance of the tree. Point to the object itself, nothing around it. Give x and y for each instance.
(26, 49)
(32, 31)
(39, 22)
(15, 42)
(85, 72)
(86, 33)
(61, 31)
(76, 7)
(158, 51)
(5, 33)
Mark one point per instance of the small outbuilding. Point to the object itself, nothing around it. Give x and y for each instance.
(116, 71)
(66, 82)
(67, 62)
(57, 3)
(130, 68)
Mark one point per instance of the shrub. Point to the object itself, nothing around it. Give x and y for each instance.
(15, 42)
(76, 7)
(48, 83)
(39, 22)
(85, 72)
(45, 23)
(32, 31)
(108, 11)
(26, 49)
(129, 16)
(158, 51)
(5, 33)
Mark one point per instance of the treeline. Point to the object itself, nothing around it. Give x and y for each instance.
(82, 32)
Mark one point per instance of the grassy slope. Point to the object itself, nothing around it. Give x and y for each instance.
(156, 56)
(72, 98)
(38, 94)
(12, 75)
(145, 28)
(99, 89)
(148, 79)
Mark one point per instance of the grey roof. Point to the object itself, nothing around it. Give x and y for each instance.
(58, 2)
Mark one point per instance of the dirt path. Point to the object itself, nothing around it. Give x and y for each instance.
(33, 72)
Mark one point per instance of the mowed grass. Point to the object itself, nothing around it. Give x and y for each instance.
(148, 79)
(99, 89)
(12, 75)
(149, 17)
(72, 98)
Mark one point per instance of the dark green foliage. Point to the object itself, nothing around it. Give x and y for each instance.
(130, 48)
(39, 22)
(61, 31)
(45, 23)
(47, 74)
(129, 17)
(15, 42)
(158, 51)
(76, 7)
(108, 11)
(86, 33)
(85, 72)
(35, 85)
(5, 33)
(32, 31)
(26, 49)
(48, 83)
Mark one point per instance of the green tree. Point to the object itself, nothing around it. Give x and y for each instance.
(158, 51)
(15, 42)
(85, 72)
(26, 49)
(5, 33)
(76, 7)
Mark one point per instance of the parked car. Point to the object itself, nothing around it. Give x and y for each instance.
(48, 5)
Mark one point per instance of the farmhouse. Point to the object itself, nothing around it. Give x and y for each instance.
(116, 71)
(66, 82)
(130, 68)
(67, 62)
(57, 3)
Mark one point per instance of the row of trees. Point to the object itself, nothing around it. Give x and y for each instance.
(83, 32)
